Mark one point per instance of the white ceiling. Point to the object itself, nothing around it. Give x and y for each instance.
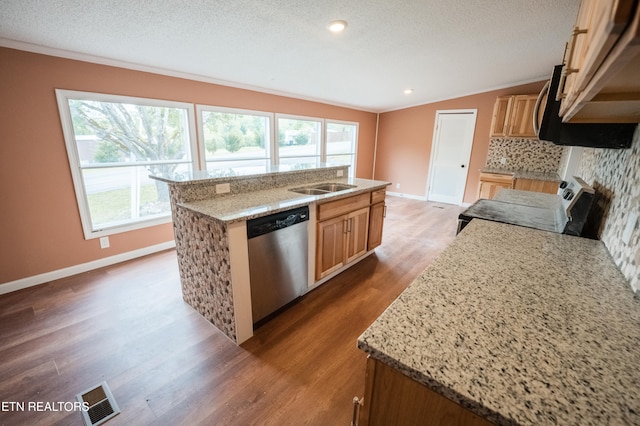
(440, 48)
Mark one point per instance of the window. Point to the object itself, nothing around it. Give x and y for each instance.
(235, 138)
(299, 140)
(342, 141)
(113, 144)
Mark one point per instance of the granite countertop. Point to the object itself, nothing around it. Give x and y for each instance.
(528, 198)
(524, 174)
(236, 173)
(254, 204)
(521, 326)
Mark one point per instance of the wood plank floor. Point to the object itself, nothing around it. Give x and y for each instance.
(127, 324)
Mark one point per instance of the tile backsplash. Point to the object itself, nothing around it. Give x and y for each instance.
(615, 175)
(530, 155)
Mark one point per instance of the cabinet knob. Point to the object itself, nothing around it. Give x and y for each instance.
(462, 165)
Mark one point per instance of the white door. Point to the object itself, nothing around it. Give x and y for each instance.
(450, 154)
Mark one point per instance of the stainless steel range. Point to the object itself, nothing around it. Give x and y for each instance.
(564, 213)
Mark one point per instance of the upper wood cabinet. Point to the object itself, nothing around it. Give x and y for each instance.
(602, 64)
(501, 110)
(513, 116)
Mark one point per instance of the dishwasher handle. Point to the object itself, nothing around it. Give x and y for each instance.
(273, 222)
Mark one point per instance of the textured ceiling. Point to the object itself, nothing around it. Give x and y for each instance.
(440, 48)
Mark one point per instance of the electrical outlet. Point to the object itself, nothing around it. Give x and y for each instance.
(340, 173)
(223, 188)
(104, 242)
(628, 230)
(397, 186)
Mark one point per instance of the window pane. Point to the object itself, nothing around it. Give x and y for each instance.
(340, 159)
(112, 132)
(341, 138)
(298, 137)
(229, 136)
(303, 161)
(247, 166)
(117, 195)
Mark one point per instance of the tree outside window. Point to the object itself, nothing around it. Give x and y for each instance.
(118, 145)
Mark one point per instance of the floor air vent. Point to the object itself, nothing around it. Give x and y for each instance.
(102, 405)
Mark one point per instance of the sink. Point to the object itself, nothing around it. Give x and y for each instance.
(309, 191)
(333, 187)
(322, 188)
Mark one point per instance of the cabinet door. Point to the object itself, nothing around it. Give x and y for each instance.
(391, 398)
(521, 117)
(598, 27)
(376, 220)
(491, 183)
(489, 190)
(357, 233)
(501, 112)
(330, 246)
(549, 187)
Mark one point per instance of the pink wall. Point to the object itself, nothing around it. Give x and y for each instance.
(40, 227)
(405, 137)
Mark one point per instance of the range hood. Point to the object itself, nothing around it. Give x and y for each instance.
(593, 135)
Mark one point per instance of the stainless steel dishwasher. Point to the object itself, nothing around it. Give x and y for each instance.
(278, 260)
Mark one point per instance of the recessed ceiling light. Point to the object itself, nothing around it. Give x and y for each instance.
(337, 26)
(408, 91)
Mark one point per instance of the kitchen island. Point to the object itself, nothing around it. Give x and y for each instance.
(210, 212)
(512, 326)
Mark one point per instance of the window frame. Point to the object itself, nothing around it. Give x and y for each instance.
(200, 108)
(321, 135)
(352, 168)
(63, 96)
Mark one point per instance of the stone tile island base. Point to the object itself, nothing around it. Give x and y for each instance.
(212, 284)
(205, 272)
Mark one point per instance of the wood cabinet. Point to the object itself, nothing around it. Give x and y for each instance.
(513, 116)
(391, 398)
(491, 183)
(501, 110)
(602, 64)
(347, 229)
(376, 218)
(535, 185)
(342, 233)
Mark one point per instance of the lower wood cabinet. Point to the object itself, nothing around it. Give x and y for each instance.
(347, 229)
(376, 218)
(391, 398)
(492, 183)
(549, 187)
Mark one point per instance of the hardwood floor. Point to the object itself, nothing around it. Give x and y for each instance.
(165, 364)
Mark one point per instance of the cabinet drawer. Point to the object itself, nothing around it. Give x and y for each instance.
(550, 187)
(497, 178)
(378, 196)
(342, 206)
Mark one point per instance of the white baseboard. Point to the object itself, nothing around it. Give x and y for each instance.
(413, 197)
(22, 283)
(416, 197)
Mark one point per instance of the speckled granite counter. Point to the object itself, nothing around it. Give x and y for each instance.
(522, 327)
(249, 205)
(524, 174)
(528, 198)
